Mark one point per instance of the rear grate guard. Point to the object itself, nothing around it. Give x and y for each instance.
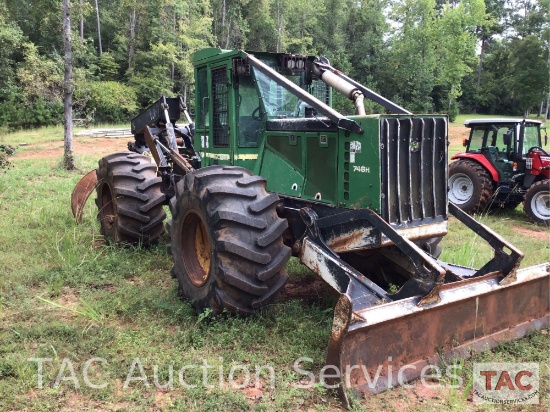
(414, 172)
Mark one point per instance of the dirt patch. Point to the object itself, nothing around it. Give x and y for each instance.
(74, 401)
(419, 396)
(457, 134)
(309, 290)
(82, 146)
(537, 234)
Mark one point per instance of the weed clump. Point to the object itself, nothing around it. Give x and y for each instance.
(6, 151)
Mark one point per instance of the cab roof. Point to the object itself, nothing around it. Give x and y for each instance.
(471, 122)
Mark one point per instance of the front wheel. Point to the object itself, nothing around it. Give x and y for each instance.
(226, 240)
(470, 186)
(129, 199)
(537, 202)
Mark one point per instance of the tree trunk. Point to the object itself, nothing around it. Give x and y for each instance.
(280, 26)
(81, 21)
(223, 23)
(547, 115)
(540, 109)
(480, 66)
(98, 28)
(68, 158)
(228, 34)
(131, 46)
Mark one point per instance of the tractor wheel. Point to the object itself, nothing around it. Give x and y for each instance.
(226, 240)
(129, 199)
(470, 186)
(537, 202)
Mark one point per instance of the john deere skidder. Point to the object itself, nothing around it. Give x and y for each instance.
(269, 170)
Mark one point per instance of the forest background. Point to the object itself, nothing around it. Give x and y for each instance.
(430, 56)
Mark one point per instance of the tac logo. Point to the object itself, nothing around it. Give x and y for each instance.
(506, 383)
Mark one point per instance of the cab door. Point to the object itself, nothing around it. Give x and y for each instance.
(214, 115)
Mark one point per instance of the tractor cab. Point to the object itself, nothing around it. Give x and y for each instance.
(503, 143)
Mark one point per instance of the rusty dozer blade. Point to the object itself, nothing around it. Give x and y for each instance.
(81, 193)
(381, 340)
(388, 344)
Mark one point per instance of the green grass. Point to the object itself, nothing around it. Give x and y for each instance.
(66, 294)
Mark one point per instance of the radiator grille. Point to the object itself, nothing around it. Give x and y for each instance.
(414, 169)
(220, 114)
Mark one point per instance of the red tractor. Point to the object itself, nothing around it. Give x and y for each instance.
(504, 165)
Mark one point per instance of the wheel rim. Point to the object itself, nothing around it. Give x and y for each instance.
(107, 212)
(461, 188)
(195, 249)
(540, 205)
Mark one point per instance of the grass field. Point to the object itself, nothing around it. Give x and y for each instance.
(68, 297)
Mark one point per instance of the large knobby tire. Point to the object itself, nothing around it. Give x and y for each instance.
(470, 186)
(537, 203)
(226, 240)
(129, 199)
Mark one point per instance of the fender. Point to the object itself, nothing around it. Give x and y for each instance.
(480, 159)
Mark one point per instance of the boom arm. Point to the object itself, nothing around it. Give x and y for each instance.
(334, 78)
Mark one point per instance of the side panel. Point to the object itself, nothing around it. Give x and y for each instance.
(359, 166)
(281, 176)
(321, 167)
(301, 164)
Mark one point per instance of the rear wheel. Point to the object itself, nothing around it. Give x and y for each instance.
(226, 240)
(470, 186)
(129, 200)
(537, 202)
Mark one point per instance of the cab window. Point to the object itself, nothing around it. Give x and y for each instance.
(531, 137)
(202, 118)
(476, 139)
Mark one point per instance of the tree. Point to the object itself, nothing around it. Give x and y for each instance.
(494, 25)
(411, 61)
(456, 44)
(528, 73)
(11, 38)
(262, 28)
(98, 28)
(68, 158)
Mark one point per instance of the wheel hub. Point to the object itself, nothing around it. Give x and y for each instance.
(196, 249)
(461, 189)
(541, 205)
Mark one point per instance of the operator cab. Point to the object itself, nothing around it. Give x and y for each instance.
(503, 142)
